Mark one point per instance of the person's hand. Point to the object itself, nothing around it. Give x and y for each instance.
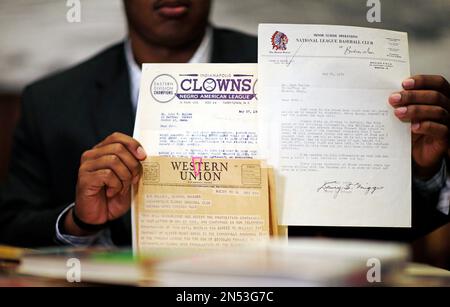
(105, 176)
(425, 102)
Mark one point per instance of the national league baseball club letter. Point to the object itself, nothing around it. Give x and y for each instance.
(342, 157)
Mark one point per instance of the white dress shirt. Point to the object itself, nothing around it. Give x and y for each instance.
(202, 55)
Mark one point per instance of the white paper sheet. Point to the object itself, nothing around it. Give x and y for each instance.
(341, 156)
(198, 110)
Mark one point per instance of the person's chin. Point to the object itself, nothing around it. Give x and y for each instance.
(175, 42)
(174, 36)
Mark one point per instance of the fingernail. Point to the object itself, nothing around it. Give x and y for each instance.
(395, 98)
(136, 180)
(401, 111)
(415, 126)
(408, 84)
(141, 152)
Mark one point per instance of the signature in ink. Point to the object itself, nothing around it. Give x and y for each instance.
(336, 188)
(349, 50)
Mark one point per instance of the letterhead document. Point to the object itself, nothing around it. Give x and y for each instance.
(198, 110)
(341, 156)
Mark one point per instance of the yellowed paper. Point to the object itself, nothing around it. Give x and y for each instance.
(276, 230)
(203, 204)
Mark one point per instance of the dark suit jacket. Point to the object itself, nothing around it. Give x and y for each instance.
(68, 113)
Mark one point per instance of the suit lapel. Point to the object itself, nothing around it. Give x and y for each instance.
(113, 111)
(217, 49)
(230, 47)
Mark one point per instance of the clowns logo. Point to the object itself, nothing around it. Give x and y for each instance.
(164, 88)
(279, 41)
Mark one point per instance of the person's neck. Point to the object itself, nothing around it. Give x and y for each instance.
(146, 52)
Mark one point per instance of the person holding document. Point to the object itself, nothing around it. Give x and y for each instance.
(73, 159)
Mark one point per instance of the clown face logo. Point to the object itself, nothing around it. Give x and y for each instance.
(279, 41)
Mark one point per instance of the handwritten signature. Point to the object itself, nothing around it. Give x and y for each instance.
(350, 50)
(337, 188)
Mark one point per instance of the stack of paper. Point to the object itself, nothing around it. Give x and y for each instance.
(202, 187)
(306, 262)
(207, 204)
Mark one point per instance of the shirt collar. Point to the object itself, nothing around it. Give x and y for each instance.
(201, 55)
